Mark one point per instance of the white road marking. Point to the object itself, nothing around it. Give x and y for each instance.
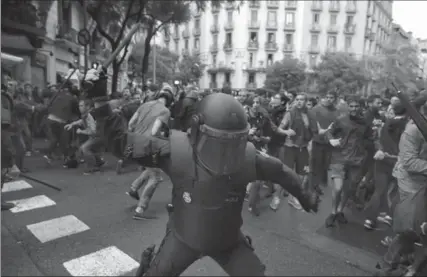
(15, 186)
(109, 261)
(36, 202)
(57, 228)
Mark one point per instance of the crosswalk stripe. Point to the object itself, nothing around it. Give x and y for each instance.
(109, 261)
(15, 186)
(36, 202)
(57, 228)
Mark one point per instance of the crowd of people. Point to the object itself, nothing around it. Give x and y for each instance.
(368, 151)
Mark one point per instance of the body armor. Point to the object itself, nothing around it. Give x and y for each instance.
(207, 208)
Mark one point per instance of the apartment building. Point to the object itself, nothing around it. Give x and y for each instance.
(239, 43)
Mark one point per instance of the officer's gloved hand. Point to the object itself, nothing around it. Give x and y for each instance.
(310, 200)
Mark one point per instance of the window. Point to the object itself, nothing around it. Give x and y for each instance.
(251, 78)
(332, 41)
(272, 19)
(270, 37)
(176, 29)
(269, 59)
(213, 77)
(186, 42)
(289, 18)
(251, 59)
(334, 4)
(227, 77)
(229, 38)
(254, 16)
(230, 17)
(289, 39)
(215, 39)
(348, 41)
(216, 19)
(196, 43)
(253, 36)
(176, 45)
(312, 61)
(314, 40)
(214, 60)
(316, 18)
(349, 20)
(333, 19)
(197, 23)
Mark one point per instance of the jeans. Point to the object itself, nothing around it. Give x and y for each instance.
(91, 148)
(385, 190)
(57, 137)
(25, 132)
(152, 177)
(319, 162)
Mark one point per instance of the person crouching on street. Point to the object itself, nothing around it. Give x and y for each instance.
(87, 126)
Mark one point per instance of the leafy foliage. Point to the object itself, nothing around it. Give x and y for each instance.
(288, 74)
(190, 69)
(340, 71)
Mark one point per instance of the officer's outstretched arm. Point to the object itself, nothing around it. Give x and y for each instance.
(271, 169)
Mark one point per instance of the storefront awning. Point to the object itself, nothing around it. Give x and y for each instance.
(8, 58)
(18, 42)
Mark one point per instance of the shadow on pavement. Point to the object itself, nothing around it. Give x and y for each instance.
(354, 234)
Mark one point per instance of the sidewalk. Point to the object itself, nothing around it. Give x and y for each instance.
(14, 260)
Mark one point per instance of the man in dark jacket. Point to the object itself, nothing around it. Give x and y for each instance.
(188, 108)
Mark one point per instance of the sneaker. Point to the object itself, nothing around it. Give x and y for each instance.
(330, 220)
(134, 194)
(341, 218)
(386, 219)
(275, 202)
(142, 216)
(91, 170)
(119, 167)
(28, 154)
(386, 241)
(294, 203)
(369, 224)
(48, 159)
(7, 206)
(254, 211)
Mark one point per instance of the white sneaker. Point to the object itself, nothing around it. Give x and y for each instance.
(294, 203)
(275, 202)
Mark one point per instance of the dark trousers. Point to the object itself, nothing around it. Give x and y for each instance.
(57, 137)
(320, 159)
(25, 132)
(174, 257)
(385, 191)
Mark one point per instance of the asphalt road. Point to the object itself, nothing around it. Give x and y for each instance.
(87, 229)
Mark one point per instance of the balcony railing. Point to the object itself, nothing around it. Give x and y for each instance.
(186, 33)
(254, 25)
(313, 49)
(271, 27)
(288, 47)
(315, 28)
(251, 85)
(316, 6)
(271, 46)
(289, 27)
(213, 85)
(216, 8)
(351, 8)
(185, 52)
(226, 84)
(228, 47)
(334, 7)
(290, 5)
(273, 4)
(253, 45)
(254, 4)
(229, 5)
(214, 28)
(229, 26)
(350, 29)
(175, 36)
(214, 48)
(196, 32)
(333, 29)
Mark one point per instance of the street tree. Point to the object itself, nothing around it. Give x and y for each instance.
(166, 62)
(342, 72)
(288, 74)
(113, 21)
(189, 69)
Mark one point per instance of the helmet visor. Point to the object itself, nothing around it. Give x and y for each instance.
(222, 152)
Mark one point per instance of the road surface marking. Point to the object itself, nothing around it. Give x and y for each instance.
(36, 202)
(57, 228)
(15, 186)
(109, 261)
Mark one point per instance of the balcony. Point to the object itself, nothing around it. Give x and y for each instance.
(334, 8)
(198, 13)
(185, 52)
(185, 33)
(289, 27)
(254, 4)
(214, 48)
(314, 49)
(350, 29)
(316, 6)
(369, 13)
(213, 85)
(369, 34)
(215, 8)
(253, 45)
(229, 5)
(253, 25)
(288, 47)
(221, 69)
(167, 38)
(175, 35)
(333, 29)
(228, 47)
(228, 26)
(350, 9)
(196, 32)
(196, 51)
(68, 39)
(271, 27)
(251, 85)
(226, 84)
(290, 5)
(272, 4)
(331, 49)
(315, 28)
(251, 68)
(271, 46)
(215, 29)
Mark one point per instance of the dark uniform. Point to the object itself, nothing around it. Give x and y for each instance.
(209, 169)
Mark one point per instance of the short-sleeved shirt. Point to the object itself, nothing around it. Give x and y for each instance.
(147, 115)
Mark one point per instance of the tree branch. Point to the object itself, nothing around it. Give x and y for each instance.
(119, 62)
(104, 33)
(122, 30)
